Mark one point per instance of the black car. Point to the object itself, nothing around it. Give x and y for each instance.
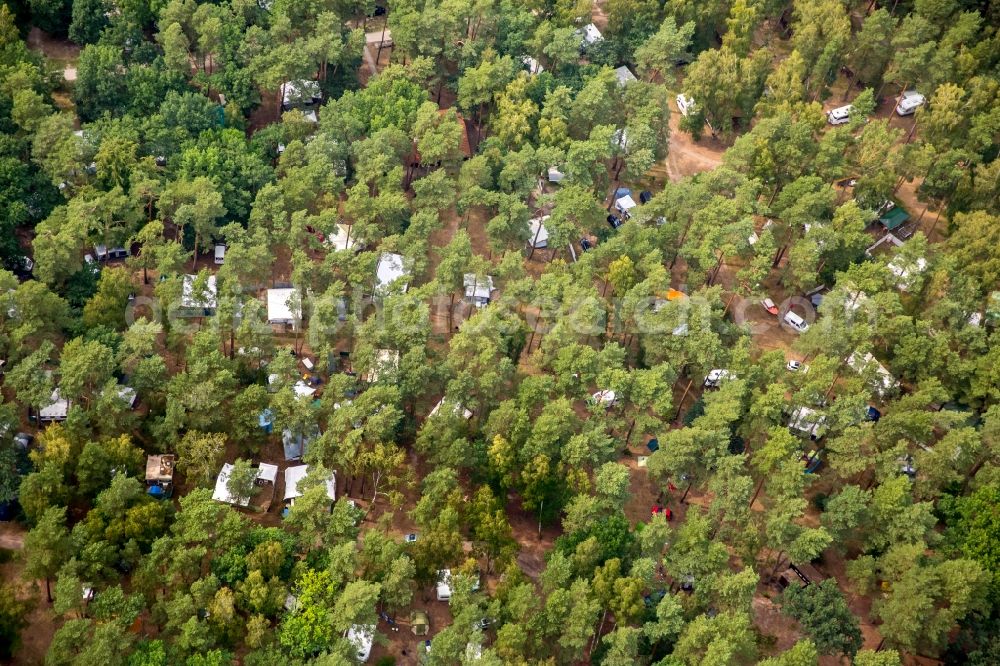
(585, 244)
(614, 221)
(645, 196)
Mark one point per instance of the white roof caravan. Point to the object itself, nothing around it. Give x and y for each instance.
(624, 75)
(444, 585)
(840, 115)
(295, 475)
(684, 104)
(590, 35)
(362, 637)
(56, 410)
(796, 322)
(478, 290)
(807, 422)
(539, 235)
(390, 268)
(909, 102)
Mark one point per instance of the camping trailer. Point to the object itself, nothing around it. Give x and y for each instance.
(840, 115)
(910, 101)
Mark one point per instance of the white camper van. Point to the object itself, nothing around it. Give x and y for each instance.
(909, 102)
(796, 322)
(840, 115)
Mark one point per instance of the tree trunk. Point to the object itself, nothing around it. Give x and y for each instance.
(451, 309)
(944, 204)
(628, 435)
(729, 303)
(686, 491)
(680, 241)
(48, 589)
(778, 256)
(760, 486)
(680, 405)
(777, 563)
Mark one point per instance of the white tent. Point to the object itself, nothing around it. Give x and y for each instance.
(390, 269)
(302, 390)
(283, 305)
(591, 35)
(205, 300)
(128, 395)
(302, 91)
(265, 473)
(555, 175)
(539, 235)
(343, 239)
(625, 203)
(294, 475)
(906, 271)
(885, 381)
(807, 421)
(386, 361)
(624, 75)
(456, 408)
(534, 67)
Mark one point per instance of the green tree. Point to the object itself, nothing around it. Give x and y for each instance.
(199, 454)
(47, 547)
(823, 613)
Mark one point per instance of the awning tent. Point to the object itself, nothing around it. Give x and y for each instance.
(894, 218)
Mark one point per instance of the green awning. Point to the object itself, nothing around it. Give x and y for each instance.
(894, 218)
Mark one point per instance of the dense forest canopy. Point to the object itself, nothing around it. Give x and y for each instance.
(500, 332)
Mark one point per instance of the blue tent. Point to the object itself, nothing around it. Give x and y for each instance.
(653, 445)
(622, 192)
(873, 414)
(156, 491)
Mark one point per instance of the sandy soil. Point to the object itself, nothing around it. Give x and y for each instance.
(685, 156)
(42, 621)
(59, 50)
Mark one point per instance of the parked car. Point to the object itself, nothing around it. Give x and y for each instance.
(614, 221)
(585, 244)
(770, 306)
(220, 253)
(796, 366)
